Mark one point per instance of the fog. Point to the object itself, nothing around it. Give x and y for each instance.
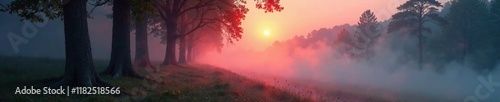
(320, 67)
(315, 66)
(48, 39)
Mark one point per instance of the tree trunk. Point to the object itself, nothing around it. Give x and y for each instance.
(120, 63)
(171, 37)
(141, 44)
(79, 69)
(182, 50)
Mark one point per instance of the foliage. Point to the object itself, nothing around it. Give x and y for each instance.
(468, 28)
(367, 32)
(34, 10)
(269, 5)
(140, 8)
(412, 15)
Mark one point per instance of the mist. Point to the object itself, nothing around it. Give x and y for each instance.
(317, 65)
(48, 40)
(306, 63)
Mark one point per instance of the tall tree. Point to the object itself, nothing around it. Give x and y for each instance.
(412, 15)
(467, 23)
(206, 32)
(170, 11)
(368, 31)
(182, 42)
(141, 44)
(79, 67)
(346, 38)
(121, 62)
(204, 40)
(141, 10)
(233, 13)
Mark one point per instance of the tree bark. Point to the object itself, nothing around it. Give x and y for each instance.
(79, 68)
(141, 44)
(171, 37)
(120, 63)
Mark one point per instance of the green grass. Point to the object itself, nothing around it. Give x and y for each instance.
(173, 83)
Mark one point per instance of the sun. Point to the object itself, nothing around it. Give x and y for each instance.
(267, 32)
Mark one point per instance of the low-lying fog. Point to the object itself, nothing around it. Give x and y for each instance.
(320, 67)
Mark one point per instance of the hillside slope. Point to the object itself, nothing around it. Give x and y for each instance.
(173, 83)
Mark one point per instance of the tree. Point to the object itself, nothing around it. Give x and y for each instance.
(203, 40)
(142, 10)
(205, 34)
(170, 11)
(232, 12)
(345, 38)
(412, 15)
(182, 42)
(79, 67)
(120, 63)
(141, 44)
(466, 25)
(368, 31)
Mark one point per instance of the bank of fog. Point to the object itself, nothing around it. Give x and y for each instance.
(321, 65)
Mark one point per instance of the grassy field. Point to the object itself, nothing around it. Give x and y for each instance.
(184, 83)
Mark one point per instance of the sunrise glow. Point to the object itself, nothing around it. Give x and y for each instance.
(267, 32)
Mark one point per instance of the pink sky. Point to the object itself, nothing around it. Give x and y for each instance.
(302, 16)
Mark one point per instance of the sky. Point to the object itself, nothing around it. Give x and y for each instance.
(302, 16)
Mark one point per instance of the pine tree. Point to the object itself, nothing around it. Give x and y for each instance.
(412, 15)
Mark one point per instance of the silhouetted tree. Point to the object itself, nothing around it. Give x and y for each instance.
(203, 36)
(412, 15)
(204, 40)
(233, 13)
(170, 11)
(346, 44)
(184, 25)
(121, 62)
(467, 23)
(141, 10)
(141, 44)
(79, 67)
(368, 32)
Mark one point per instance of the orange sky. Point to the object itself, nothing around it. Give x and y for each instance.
(302, 16)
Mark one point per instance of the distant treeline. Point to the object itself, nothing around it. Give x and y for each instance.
(461, 31)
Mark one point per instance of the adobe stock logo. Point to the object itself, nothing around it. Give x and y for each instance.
(28, 29)
(480, 94)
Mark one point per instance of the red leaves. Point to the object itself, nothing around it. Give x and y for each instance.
(269, 5)
(233, 18)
